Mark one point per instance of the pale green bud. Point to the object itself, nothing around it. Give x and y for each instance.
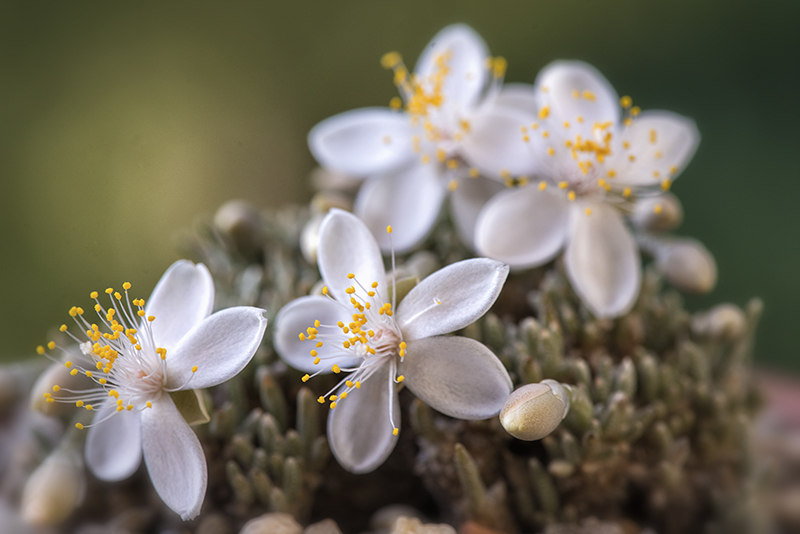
(533, 411)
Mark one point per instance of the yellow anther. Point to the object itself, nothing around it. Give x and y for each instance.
(129, 407)
(666, 183)
(148, 404)
(550, 151)
(336, 369)
(120, 408)
(313, 353)
(119, 402)
(321, 400)
(588, 95)
(400, 378)
(343, 395)
(67, 364)
(348, 383)
(627, 121)
(126, 286)
(625, 102)
(350, 276)
(635, 110)
(673, 170)
(588, 211)
(109, 290)
(306, 378)
(653, 136)
(452, 185)
(333, 405)
(317, 323)
(102, 381)
(563, 184)
(302, 336)
(425, 159)
(576, 94)
(40, 350)
(117, 296)
(194, 368)
(657, 209)
(47, 395)
(611, 174)
(140, 313)
(62, 328)
(499, 66)
(79, 426)
(73, 372)
(316, 360)
(571, 196)
(579, 119)
(93, 294)
(358, 384)
(56, 387)
(79, 404)
(151, 318)
(319, 344)
(395, 431)
(631, 158)
(388, 231)
(396, 103)
(89, 407)
(544, 112)
(626, 192)
(545, 134)
(452, 164)
(51, 345)
(390, 60)
(333, 397)
(403, 345)
(566, 124)
(375, 284)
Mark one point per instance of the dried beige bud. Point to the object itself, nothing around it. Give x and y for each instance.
(535, 410)
(657, 214)
(687, 265)
(55, 489)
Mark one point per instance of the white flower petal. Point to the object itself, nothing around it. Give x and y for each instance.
(522, 227)
(221, 346)
(174, 458)
(347, 246)
(182, 298)
(114, 447)
(558, 84)
(295, 318)
(495, 142)
(451, 298)
(457, 376)
(359, 428)
(467, 74)
(466, 203)
(409, 200)
(362, 141)
(519, 96)
(602, 260)
(662, 144)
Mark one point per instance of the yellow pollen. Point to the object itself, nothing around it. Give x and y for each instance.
(395, 103)
(631, 158)
(40, 350)
(542, 185)
(51, 345)
(79, 404)
(635, 110)
(93, 294)
(375, 284)
(79, 426)
(566, 124)
(102, 381)
(316, 360)
(333, 397)
(317, 323)
(657, 209)
(425, 159)
(194, 368)
(673, 170)
(324, 290)
(56, 388)
(571, 196)
(109, 290)
(563, 185)
(390, 60)
(73, 372)
(358, 384)
(395, 431)
(625, 102)
(588, 95)
(499, 65)
(452, 164)
(117, 296)
(321, 400)
(653, 136)
(550, 151)
(140, 313)
(545, 134)
(67, 364)
(452, 185)
(588, 211)
(666, 183)
(611, 174)
(400, 378)
(343, 395)
(388, 231)
(333, 405)
(544, 112)
(148, 404)
(89, 407)
(348, 384)
(473, 172)
(120, 408)
(336, 369)
(302, 336)
(62, 328)
(306, 378)
(626, 192)
(387, 140)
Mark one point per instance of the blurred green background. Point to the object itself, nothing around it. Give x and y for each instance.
(121, 123)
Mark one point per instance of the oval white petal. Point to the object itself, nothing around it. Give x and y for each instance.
(558, 84)
(114, 447)
(359, 428)
(295, 318)
(451, 298)
(221, 346)
(362, 141)
(347, 246)
(466, 203)
(522, 227)
(174, 458)
(457, 376)
(409, 200)
(662, 144)
(602, 260)
(495, 143)
(182, 298)
(467, 74)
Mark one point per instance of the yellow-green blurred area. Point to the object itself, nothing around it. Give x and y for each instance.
(121, 123)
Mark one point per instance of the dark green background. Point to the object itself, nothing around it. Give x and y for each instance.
(120, 123)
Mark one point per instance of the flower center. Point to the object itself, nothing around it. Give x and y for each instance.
(118, 354)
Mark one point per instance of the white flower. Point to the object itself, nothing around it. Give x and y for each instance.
(449, 129)
(135, 355)
(354, 329)
(593, 162)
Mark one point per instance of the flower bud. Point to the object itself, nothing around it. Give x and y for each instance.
(56, 488)
(309, 238)
(241, 221)
(687, 265)
(657, 214)
(535, 410)
(725, 322)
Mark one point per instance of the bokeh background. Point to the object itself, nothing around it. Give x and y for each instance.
(122, 123)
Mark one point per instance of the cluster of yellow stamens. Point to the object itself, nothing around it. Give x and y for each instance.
(122, 360)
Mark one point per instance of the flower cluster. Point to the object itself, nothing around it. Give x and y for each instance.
(132, 356)
(576, 161)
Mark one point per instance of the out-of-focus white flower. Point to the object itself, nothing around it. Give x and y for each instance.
(355, 329)
(594, 160)
(442, 133)
(533, 411)
(134, 355)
